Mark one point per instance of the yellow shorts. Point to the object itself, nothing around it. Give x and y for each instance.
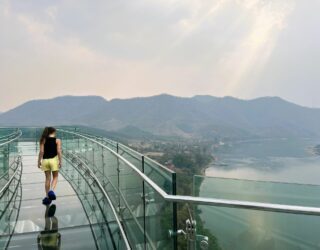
(51, 164)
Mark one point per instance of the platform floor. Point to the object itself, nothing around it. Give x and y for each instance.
(70, 219)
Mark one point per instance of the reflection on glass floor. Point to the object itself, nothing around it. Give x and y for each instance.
(68, 228)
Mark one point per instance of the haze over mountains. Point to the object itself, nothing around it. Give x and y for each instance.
(166, 115)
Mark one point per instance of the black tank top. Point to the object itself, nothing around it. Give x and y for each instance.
(50, 148)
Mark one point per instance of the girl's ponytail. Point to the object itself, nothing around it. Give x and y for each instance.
(46, 132)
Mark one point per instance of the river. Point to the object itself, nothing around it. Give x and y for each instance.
(265, 162)
(284, 160)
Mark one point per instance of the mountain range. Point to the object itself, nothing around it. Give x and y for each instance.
(165, 115)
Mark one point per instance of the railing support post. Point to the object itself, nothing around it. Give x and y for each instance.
(175, 213)
(118, 173)
(144, 205)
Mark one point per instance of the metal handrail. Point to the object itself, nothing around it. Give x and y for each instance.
(76, 190)
(149, 159)
(4, 174)
(168, 172)
(18, 162)
(10, 136)
(6, 136)
(272, 207)
(12, 177)
(165, 175)
(13, 139)
(112, 207)
(130, 149)
(123, 199)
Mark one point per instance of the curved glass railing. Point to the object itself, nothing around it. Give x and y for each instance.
(8, 137)
(30, 134)
(8, 153)
(72, 225)
(147, 221)
(10, 183)
(148, 207)
(10, 201)
(163, 176)
(122, 201)
(105, 224)
(4, 132)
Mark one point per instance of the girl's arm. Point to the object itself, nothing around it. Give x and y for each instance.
(59, 151)
(40, 154)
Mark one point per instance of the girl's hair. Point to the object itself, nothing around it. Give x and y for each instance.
(46, 132)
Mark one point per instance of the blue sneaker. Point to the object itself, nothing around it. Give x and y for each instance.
(46, 201)
(51, 195)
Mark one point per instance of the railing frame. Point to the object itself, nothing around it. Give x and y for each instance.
(19, 133)
(18, 171)
(93, 176)
(271, 207)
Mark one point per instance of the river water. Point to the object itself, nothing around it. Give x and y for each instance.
(274, 160)
(284, 160)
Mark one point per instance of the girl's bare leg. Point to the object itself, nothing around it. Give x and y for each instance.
(48, 181)
(55, 180)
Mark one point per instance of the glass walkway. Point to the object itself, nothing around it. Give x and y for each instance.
(111, 197)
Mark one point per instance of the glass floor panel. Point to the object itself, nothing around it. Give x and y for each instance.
(70, 238)
(70, 219)
(69, 213)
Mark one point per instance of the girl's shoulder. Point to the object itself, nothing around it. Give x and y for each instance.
(58, 140)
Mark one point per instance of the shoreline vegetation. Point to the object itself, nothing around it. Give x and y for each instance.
(186, 160)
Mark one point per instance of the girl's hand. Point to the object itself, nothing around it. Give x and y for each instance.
(60, 165)
(39, 164)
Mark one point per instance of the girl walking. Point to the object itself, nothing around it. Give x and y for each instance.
(50, 161)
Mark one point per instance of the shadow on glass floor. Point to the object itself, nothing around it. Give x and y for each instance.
(50, 238)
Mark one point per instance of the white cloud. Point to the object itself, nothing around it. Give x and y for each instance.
(51, 11)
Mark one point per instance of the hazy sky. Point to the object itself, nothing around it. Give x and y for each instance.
(126, 48)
